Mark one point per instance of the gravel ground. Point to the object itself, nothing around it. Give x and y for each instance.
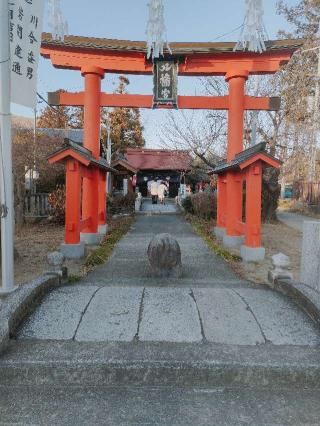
(276, 238)
(33, 242)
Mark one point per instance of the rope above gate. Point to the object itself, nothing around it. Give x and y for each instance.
(57, 23)
(253, 35)
(156, 29)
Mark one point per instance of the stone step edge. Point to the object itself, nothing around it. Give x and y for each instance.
(21, 303)
(300, 294)
(158, 364)
(142, 213)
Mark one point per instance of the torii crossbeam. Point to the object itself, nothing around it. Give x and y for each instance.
(95, 57)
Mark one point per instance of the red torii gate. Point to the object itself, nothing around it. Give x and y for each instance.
(94, 57)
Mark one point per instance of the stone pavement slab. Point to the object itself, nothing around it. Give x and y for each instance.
(280, 320)
(234, 315)
(169, 315)
(112, 315)
(59, 314)
(226, 319)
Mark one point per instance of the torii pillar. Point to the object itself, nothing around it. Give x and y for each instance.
(233, 191)
(93, 189)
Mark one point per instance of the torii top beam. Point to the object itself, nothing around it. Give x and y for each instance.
(195, 59)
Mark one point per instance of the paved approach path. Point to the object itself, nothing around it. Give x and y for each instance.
(168, 208)
(119, 302)
(294, 220)
(122, 349)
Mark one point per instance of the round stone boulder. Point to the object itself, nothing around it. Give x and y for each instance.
(165, 256)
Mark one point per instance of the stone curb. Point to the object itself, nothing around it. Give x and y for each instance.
(305, 297)
(21, 303)
(68, 363)
(142, 213)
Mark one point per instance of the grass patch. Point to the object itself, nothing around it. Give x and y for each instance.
(117, 229)
(203, 228)
(73, 278)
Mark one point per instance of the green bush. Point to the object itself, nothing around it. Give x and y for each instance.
(187, 205)
(202, 205)
(121, 204)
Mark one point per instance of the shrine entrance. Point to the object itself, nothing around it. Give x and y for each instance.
(86, 171)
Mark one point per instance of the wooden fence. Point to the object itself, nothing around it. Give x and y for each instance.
(36, 205)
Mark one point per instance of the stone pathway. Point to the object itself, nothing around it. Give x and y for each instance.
(119, 302)
(168, 208)
(121, 348)
(294, 220)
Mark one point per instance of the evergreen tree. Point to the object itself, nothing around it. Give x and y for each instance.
(61, 117)
(126, 126)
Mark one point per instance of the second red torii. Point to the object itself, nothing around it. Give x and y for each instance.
(95, 58)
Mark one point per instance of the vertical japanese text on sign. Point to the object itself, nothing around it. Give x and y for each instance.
(165, 82)
(26, 18)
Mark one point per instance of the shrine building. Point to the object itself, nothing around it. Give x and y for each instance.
(141, 165)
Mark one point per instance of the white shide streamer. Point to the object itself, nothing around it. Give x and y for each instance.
(253, 35)
(156, 29)
(57, 23)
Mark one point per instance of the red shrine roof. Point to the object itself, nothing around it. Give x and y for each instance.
(158, 159)
(247, 157)
(177, 48)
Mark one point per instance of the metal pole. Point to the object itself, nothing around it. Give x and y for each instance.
(7, 217)
(312, 173)
(109, 157)
(34, 168)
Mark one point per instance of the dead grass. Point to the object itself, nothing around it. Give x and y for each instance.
(34, 241)
(295, 206)
(276, 237)
(204, 229)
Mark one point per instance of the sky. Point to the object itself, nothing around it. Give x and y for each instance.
(186, 20)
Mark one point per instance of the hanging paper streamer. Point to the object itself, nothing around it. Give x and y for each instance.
(253, 34)
(156, 29)
(59, 27)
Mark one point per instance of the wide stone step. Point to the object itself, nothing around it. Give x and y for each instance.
(157, 406)
(29, 363)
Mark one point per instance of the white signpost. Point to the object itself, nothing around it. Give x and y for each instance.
(20, 40)
(25, 29)
(6, 190)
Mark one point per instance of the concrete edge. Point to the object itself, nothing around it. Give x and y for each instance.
(142, 213)
(18, 305)
(151, 364)
(296, 292)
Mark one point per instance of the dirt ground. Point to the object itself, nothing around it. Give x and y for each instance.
(33, 242)
(296, 206)
(276, 238)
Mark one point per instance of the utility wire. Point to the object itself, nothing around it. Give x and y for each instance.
(229, 33)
